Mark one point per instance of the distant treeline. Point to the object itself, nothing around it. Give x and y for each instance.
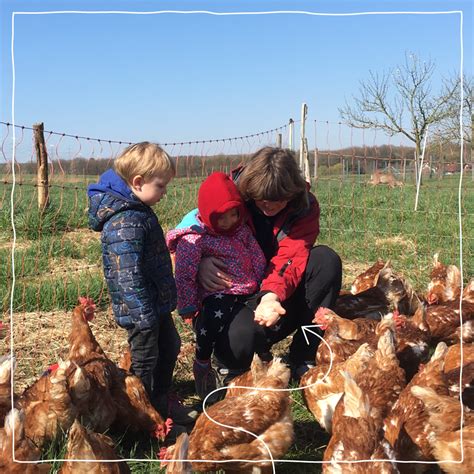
(356, 160)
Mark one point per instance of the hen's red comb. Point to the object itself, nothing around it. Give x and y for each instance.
(86, 301)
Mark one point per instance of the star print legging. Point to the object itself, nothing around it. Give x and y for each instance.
(217, 312)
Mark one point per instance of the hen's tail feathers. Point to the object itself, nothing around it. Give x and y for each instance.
(179, 456)
(279, 370)
(14, 422)
(440, 352)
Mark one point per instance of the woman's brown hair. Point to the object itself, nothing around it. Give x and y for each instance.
(272, 174)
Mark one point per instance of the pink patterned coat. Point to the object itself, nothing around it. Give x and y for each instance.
(240, 253)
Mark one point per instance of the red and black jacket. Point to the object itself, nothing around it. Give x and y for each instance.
(286, 240)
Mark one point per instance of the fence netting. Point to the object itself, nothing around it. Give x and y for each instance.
(57, 258)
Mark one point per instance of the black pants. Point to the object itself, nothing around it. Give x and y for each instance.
(154, 353)
(215, 316)
(319, 287)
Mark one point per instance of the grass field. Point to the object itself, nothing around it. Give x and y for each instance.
(57, 259)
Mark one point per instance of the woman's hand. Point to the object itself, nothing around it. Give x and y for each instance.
(212, 276)
(269, 310)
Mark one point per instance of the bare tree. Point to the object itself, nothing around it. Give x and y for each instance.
(449, 130)
(401, 101)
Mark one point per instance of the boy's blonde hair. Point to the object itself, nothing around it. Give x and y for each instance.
(145, 159)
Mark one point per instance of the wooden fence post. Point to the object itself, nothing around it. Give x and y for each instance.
(42, 180)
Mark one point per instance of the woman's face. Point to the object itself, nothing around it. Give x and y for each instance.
(271, 208)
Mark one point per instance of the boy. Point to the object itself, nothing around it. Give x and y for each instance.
(137, 267)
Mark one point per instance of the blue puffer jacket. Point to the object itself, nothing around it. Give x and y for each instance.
(137, 264)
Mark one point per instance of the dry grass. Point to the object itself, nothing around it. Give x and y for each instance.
(41, 339)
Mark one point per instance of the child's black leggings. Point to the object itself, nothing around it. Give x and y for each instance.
(213, 321)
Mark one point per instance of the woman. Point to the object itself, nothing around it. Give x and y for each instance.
(299, 277)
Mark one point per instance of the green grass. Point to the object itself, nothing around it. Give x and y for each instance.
(359, 221)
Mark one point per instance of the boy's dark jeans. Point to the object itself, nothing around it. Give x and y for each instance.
(154, 353)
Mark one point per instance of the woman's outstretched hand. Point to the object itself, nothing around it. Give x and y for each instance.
(212, 275)
(269, 310)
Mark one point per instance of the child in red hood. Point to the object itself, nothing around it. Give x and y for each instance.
(219, 229)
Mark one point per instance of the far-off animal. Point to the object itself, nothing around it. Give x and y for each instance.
(384, 178)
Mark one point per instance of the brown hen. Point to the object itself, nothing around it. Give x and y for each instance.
(344, 336)
(25, 449)
(445, 283)
(407, 427)
(47, 406)
(444, 322)
(358, 436)
(445, 417)
(266, 413)
(369, 277)
(92, 381)
(323, 385)
(391, 292)
(85, 444)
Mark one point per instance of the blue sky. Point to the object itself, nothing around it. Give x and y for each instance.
(174, 77)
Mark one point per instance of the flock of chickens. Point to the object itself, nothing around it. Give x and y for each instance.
(392, 385)
(84, 395)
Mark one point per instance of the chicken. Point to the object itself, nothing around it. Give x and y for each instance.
(83, 345)
(104, 393)
(323, 385)
(92, 381)
(344, 336)
(444, 321)
(452, 372)
(48, 406)
(445, 283)
(407, 427)
(25, 449)
(134, 410)
(265, 413)
(468, 292)
(91, 392)
(6, 365)
(391, 292)
(368, 279)
(85, 444)
(358, 436)
(384, 379)
(412, 340)
(445, 417)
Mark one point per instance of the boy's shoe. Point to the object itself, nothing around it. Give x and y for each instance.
(204, 379)
(170, 406)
